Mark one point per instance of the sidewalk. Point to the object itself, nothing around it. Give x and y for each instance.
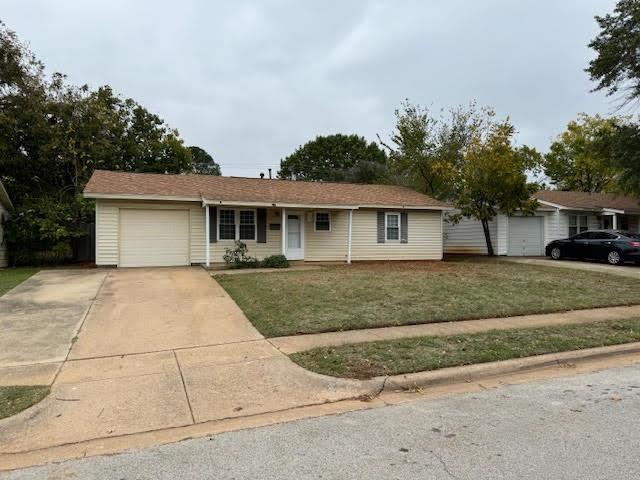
(298, 343)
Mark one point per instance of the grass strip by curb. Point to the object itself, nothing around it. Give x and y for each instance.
(409, 355)
(16, 398)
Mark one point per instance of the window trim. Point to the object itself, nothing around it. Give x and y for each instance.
(580, 228)
(255, 224)
(237, 223)
(315, 221)
(386, 227)
(219, 222)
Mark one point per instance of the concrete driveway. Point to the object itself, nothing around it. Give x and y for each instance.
(39, 319)
(626, 270)
(159, 349)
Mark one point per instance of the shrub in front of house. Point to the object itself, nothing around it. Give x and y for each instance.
(238, 258)
(275, 261)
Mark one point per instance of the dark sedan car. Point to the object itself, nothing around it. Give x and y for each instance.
(614, 246)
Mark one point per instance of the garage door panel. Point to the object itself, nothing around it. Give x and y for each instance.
(526, 236)
(154, 238)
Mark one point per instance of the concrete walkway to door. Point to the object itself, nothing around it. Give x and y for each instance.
(163, 348)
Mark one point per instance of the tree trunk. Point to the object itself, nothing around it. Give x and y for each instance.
(487, 237)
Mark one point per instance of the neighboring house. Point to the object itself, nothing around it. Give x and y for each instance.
(163, 220)
(5, 208)
(560, 215)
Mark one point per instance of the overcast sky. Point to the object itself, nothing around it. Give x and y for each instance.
(251, 81)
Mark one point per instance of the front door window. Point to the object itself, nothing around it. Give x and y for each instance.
(293, 232)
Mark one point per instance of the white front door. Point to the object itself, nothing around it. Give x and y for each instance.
(295, 236)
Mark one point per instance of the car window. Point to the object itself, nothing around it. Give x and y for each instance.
(602, 236)
(580, 236)
(631, 235)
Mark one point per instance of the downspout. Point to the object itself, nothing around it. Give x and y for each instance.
(207, 236)
(283, 229)
(349, 236)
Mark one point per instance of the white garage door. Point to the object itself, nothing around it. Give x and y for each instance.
(525, 236)
(154, 238)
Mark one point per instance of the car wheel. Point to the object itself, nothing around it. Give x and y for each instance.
(614, 257)
(556, 253)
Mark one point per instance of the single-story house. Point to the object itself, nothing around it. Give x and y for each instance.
(560, 214)
(162, 220)
(5, 208)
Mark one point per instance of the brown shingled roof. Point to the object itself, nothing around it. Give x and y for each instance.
(585, 200)
(254, 190)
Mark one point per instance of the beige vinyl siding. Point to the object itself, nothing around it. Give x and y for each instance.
(467, 236)
(3, 247)
(108, 224)
(106, 233)
(327, 246)
(255, 249)
(197, 237)
(425, 237)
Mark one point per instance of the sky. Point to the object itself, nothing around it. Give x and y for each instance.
(251, 81)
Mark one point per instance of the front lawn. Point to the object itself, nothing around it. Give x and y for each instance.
(378, 295)
(14, 399)
(10, 277)
(394, 357)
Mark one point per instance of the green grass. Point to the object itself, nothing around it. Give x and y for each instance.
(377, 295)
(14, 399)
(10, 277)
(394, 357)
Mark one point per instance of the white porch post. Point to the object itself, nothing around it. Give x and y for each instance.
(349, 236)
(283, 230)
(207, 236)
(615, 221)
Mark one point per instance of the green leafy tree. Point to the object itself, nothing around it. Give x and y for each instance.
(583, 157)
(492, 178)
(616, 68)
(203, 163)
(626, 152)
(54, 135)
(336, 158)
(426, 148)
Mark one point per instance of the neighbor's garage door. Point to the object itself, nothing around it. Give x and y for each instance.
(525, 236)
(154, 238)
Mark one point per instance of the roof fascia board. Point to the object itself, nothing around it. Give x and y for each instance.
(118, 196)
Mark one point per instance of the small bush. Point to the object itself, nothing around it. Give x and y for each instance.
(275, 261)
(237, 257)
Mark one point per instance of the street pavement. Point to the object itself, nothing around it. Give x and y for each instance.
(578, 427)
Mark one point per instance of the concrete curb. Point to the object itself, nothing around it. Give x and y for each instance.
(471, 373)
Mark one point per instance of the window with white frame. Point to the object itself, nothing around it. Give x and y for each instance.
(227, 225)
(323, 222)
(392, 226)
(237, 224)
(577, 224)
(247, 225)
